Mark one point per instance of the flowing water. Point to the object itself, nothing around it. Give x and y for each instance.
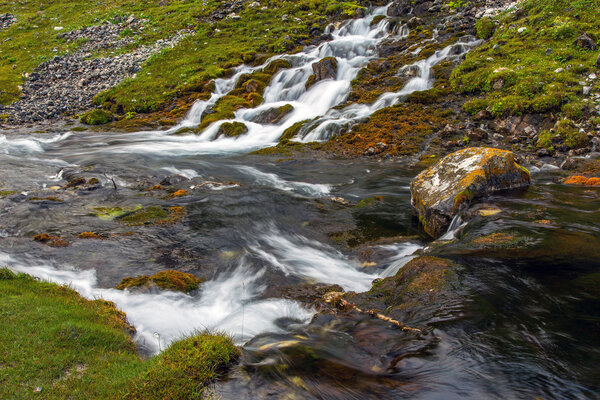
(526, 323)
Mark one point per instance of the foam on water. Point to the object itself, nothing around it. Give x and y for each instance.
(224, 304)
(273, 180)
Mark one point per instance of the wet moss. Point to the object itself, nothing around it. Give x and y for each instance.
(90, 235)
(167, 280)
(153, 215)
(232, 129)
(49, 240)
(96, 117)
(185, 369)
(395, 131)
(5, 193)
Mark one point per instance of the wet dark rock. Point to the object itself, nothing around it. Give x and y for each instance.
(482, 115)
(414, 22)
(527, 124)
(273, 115)
(443, 190)
(399, 9)
(585, 42)
(477, 134)
(325, 69)
(6, 20)
(174, 180)
(423, 8)
(448, 131)
(543, 153)
(307, 293)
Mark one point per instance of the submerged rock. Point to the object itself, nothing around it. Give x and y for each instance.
(441, 191)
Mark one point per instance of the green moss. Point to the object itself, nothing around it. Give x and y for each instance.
(232, 129)
(292, 131)
(96, 117)
(475, 105)
(429, 96)
(4, 193)
(109, 213)
(464, 196)
(167, 280)
(145, 215)
(484, 28)
(515, 73)
(186, 368)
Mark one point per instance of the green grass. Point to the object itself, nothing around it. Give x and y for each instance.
(512, 74)
(53, 339)
(207, 54)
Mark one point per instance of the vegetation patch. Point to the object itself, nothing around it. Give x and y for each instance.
(57, 345)
(532, 62)
(96, 117)
(167, 280)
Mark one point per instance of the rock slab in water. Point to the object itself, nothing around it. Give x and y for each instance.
(439, 192)
(325, 69)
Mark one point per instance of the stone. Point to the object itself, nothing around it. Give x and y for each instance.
(585, 42)
(273, 115)
(598, 61)
(325, 69)
(399, 9)
(443, 190)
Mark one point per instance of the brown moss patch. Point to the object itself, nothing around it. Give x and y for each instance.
(397, 131)
(495, 238)
(89, 235)
(52, 241)
(167, 280)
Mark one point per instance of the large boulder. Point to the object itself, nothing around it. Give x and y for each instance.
(273, 115)
(585, 42)
(441, 191)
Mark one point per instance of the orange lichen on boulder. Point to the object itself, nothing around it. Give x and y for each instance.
(582, 180)
(576, 180)
(52, 241)
(593, 182)
(179, 193)
(155, 187)
(167, 280)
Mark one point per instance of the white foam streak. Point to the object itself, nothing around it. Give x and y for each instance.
(224, 304)
(299, 256)
(273, 180)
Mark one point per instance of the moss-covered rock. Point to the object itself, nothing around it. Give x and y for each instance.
(273, 115)
(96, 117)
(441, 191)
(232, 129)
(166, 280)
(420, 289)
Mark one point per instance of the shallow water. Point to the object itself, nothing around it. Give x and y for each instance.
(528, 325)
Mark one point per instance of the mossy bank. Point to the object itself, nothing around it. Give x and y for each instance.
(57, 345)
